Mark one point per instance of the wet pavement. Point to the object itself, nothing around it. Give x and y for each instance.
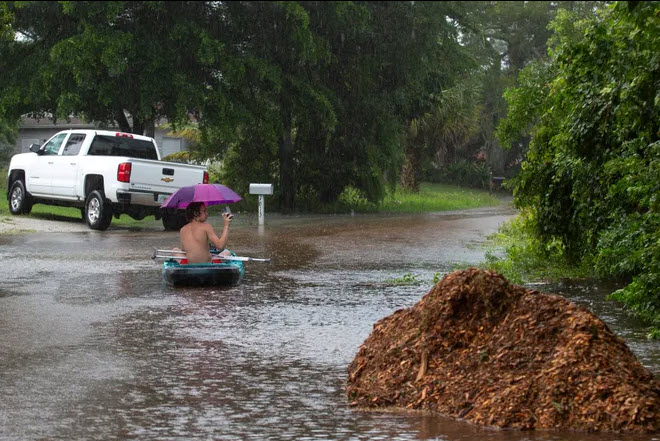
(95, 347)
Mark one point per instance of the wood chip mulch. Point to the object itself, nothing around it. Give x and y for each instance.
(481, 349)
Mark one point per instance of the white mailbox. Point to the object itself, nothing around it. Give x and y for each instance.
(261, 190)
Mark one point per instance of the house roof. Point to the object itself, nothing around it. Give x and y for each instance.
(43, 123)
(71, 123)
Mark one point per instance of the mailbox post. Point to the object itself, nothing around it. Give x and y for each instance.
(261, 190)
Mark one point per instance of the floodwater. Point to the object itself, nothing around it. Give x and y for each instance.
(94, 347)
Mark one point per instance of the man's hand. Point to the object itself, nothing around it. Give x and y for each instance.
(226, 218)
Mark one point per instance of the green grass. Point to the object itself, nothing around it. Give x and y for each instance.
(436, 197)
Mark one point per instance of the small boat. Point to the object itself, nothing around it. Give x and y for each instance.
(226, 273)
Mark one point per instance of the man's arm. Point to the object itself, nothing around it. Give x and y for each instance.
(219, 242)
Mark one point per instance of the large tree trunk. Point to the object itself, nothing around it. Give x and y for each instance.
(138, 126)
(150, 128)
(287, 178)
(124, 126)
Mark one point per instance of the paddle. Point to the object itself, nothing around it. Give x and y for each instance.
(170, 254)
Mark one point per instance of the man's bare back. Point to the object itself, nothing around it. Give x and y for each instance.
(195, 242)
(196, 235)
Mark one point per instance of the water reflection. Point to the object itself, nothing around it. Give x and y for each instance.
(96, 347)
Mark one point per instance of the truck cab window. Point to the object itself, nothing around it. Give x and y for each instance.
(52, 147)
(122, 146)
(73, 145)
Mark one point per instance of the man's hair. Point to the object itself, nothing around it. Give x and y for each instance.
(193, 209)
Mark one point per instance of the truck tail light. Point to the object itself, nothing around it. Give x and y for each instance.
(206, 178)
(124, 135)
(124, 172)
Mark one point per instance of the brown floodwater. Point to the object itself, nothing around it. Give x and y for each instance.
(94, 346)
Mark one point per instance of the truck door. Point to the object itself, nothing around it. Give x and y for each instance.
(65, 173)
(40, 174)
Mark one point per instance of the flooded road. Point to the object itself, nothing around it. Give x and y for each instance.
(95, 347)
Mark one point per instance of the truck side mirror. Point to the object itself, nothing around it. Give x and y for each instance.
(36, 148)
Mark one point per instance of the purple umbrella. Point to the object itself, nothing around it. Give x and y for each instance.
(211, 194)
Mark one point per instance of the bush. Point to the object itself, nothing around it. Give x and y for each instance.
(527, 257)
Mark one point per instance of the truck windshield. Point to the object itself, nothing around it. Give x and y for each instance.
(122, 146)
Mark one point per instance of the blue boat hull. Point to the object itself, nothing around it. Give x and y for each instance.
(203, 274)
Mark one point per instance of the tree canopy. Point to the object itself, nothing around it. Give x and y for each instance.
(312, 95)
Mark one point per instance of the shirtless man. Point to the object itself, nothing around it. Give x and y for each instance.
(196, 234)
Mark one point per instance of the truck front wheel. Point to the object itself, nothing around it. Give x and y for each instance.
(98, 213)
(20, 202)
(173, 221)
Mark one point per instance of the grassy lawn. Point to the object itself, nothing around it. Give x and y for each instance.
(436, 197)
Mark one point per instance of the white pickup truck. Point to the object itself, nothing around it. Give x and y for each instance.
(101, 172)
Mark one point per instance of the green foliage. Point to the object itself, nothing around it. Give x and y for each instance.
(355, 199)
(431, 197)
(250, 161)
(531, 93)
(437, 134)
(406, 279)
(504, 37)
(185, 157)
(350, 200)
(591, 180)
(105, 60)
(516, 252)
(8, 135)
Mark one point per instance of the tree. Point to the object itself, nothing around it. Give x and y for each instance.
(436, 136)
(8, 135)
(429, 62)
(273, 83)
(505, 37)
(333, 85)
(123, 62)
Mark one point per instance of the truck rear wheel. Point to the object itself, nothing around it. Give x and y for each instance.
(98, 213)
(20, 202)
(173, 220)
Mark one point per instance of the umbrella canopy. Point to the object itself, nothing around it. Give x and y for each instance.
(211, 194)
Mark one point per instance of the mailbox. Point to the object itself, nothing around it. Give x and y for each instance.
(261, 188)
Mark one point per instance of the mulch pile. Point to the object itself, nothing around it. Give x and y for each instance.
(479, 348)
